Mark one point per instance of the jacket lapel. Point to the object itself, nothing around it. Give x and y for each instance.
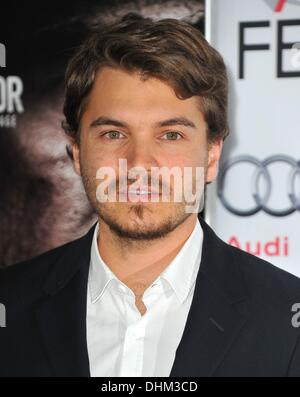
(214, 320)
(61, 315)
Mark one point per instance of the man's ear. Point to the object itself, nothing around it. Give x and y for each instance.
(75, 154)
(214, 153)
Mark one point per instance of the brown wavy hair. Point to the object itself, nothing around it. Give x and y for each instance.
(168, 49)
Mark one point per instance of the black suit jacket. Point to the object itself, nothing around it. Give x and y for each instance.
(239, 323)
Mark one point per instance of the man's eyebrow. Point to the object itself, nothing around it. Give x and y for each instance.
(164, 123)
(107, 121)
(176, 121)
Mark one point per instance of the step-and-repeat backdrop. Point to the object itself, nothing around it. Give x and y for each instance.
(255, 203)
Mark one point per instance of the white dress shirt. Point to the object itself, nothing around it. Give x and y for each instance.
(121, 341)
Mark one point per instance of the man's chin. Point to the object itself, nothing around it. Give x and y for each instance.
(142, 221)
(134, 228)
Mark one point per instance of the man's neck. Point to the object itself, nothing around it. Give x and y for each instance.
(139, 268)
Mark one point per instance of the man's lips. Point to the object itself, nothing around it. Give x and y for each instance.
(141, 191)
(138, 195)
(131, 193)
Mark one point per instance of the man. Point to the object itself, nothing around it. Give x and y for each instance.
(150, 290)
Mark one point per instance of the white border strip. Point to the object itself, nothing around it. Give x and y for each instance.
(210, 191)
(207, 19)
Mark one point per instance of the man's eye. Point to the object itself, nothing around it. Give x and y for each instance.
(172, 136)
(112, 134)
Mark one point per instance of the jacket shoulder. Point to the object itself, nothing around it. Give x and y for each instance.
(33, 270)
(264, 282)
(264, 279)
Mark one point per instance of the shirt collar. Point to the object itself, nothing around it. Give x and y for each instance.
(180, 273)
(100, 274)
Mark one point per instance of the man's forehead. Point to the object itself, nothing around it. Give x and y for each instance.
(121, 93)
(117, 82)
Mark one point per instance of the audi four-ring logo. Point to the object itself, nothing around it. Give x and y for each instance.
(262, 171)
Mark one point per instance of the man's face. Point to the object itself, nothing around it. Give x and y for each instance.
(141, 107)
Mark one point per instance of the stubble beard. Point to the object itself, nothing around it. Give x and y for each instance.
(136, 221)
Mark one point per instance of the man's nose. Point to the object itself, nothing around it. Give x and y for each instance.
(141, 153)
